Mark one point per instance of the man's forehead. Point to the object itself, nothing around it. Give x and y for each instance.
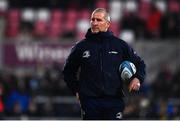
(98, 14)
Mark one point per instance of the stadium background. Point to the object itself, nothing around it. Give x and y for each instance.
(35, 39)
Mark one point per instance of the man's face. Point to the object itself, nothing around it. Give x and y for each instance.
(99, 23)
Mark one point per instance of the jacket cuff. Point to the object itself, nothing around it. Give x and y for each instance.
(137, 76)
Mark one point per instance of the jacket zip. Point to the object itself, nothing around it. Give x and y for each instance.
(101, 64)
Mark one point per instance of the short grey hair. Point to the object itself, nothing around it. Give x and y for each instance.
(107, 16)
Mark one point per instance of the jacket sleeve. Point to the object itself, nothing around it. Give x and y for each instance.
(132, 56)
(70, 69)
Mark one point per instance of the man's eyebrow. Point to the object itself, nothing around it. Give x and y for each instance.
(96, 19)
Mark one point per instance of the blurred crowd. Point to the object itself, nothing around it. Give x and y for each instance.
(34, 95)
(39, 91)
(57, 19)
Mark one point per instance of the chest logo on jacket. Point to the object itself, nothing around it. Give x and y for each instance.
(113, 52)
(86, 54)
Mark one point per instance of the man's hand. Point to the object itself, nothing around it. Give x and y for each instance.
(77, 96)
(134, 85)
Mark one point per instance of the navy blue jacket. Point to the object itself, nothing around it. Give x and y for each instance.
(91, 69)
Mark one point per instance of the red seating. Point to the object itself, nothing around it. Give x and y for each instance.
(55, 27)
(101, 4)
(144, 9)
(56, 15)
(70, 20)
(40, 28)
(54, 30)
(84, 14)
(13, 23)
(174, 6)
(73, 20)
(82, 24)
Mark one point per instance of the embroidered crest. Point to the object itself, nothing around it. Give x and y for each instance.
(86, 54)
(119, 115)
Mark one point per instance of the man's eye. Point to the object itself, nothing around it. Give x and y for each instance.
(99, 20)
(93, 19)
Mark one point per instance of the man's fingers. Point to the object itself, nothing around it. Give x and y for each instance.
(134, 87)
(130, 88)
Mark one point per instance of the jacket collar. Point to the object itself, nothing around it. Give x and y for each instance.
(99, 35)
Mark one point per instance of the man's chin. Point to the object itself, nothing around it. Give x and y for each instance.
(95, 31)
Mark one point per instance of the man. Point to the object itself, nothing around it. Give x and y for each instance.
(91, 70)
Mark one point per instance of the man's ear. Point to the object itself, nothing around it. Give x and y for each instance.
(108, 24)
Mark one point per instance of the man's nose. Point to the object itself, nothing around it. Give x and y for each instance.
(95, 22)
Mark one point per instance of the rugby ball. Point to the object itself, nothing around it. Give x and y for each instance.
(127, 69)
